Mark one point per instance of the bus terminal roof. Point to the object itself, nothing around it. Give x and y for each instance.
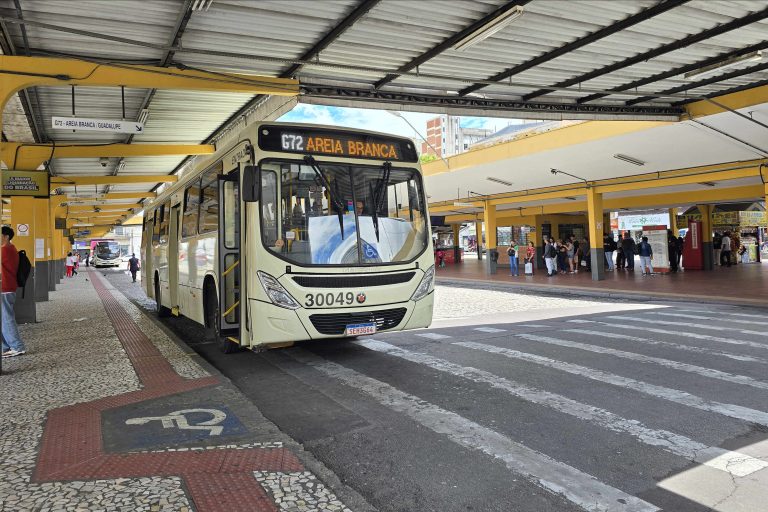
(643, 61)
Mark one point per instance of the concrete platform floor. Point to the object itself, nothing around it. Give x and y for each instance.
(745, 284)
(108, 412)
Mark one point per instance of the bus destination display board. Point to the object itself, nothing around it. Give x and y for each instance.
(316, 141)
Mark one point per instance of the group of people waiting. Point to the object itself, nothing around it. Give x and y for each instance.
(723, 245)
(564, 256)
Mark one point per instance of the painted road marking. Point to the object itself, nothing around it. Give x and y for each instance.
(490, 330)
(532, 325)
(699, 317)
(677, 346)
(676, 365)
(684, 334)
(734, 463)
(672, 395)
(745, 315)
(178, 419)
(433, 336)
(556, 477)
(685, 324)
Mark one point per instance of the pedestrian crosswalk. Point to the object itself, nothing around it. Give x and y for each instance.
(697, 386)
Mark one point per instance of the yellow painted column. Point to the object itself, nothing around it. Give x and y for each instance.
(42, 233)
(456, 242)
(489, 220)
(708, 258)
(673, 221)
(595, 233)
(23, 225)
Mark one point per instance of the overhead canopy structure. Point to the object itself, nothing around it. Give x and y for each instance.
(583, 60)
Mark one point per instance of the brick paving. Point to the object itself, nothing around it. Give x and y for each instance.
(70, 469)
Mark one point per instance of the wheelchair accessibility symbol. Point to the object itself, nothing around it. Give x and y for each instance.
(178, 419)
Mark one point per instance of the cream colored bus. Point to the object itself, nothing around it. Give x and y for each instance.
(295, 232)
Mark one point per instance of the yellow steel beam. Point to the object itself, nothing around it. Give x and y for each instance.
(693, 178)
(123, 179)
(19, 155)
(735, 101)
(110, 196)
(106, 207)
(17, 73)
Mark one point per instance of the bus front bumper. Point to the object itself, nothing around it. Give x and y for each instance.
(282, 325)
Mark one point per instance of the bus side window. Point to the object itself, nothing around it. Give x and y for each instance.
(165, 219)
(191, 210)
(156, 226)
(209, 207)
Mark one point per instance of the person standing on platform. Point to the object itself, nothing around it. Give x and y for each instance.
(576, 253)
(550, 253)
(725, 253)
(628, 248)
(672, 249)
(512, 253)
(621, 261)
(529, 256)
(70, 263)
(88, 259)
(717, 245)
(608, 247)
(646, 253)
(12, 344)
(133, 266)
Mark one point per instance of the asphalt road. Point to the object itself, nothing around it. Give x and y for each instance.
(554, 405)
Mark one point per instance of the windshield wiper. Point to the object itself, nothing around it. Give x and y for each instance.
(310, 160)
(378, 196)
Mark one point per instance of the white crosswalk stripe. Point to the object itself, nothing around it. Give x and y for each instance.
(721, 313)
(685, 367)
(693, 335)
(433, 336)
(672, 395)
(676, 346)
(736, 464)
(700, 317)
(490, 330)
(687, 324)
(580, 488)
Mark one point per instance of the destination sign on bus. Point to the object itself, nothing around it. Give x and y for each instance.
(335, 143)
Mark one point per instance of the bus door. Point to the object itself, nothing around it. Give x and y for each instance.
(173, 258)
(229, 263)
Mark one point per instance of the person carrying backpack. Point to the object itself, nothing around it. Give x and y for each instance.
(12, 344)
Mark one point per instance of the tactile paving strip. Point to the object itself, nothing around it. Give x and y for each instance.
(217, 480)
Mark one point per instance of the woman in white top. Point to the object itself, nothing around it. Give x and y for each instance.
(70, 264)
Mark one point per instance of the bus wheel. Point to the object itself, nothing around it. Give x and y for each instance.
(162, 311)
(212, 323)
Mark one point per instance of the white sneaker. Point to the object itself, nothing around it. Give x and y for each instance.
(14, 353)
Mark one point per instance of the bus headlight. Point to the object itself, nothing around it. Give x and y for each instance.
(425, 285)
(277, 294)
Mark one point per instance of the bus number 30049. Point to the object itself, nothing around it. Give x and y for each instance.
(329, 299)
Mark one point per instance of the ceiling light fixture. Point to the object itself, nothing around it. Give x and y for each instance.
(570, 198)
(707, 183)
(488, 29)
(500, 181)
(629, 159)
(718, 67)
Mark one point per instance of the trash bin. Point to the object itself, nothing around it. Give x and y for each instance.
(491, 261)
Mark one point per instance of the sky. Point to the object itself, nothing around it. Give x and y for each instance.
(381, 120)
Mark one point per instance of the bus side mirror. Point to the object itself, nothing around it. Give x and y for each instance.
(250, 187)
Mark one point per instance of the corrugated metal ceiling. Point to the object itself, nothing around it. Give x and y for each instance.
(268, 36)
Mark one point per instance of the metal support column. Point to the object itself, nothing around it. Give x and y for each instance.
(708, 259)
(479, 238)
(595, 233)
(456, 242)
(23, 225)
(41, 260)
(673, 221)
(489, 220)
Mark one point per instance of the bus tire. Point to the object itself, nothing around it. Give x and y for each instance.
(162, 311)
(212, 321)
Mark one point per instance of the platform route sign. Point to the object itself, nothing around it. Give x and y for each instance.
(96, 125)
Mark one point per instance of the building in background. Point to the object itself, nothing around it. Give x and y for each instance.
(447, 137)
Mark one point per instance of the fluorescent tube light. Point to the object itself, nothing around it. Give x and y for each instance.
(465, 205)
(497, 180)
(629, 159)
(707, 183)
(718, 67)
(484, 32)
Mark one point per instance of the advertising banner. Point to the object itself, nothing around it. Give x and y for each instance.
(636, 222)
(657, 237)
(753, 219)
(693, 250)
(26, 183)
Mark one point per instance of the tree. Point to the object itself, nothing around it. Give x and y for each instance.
(427, 157)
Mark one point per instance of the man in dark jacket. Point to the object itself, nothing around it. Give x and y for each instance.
(608, 247)
(672, 247)
(628, 248)
(133, 266)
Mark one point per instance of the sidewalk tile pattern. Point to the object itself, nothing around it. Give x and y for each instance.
(71, 447)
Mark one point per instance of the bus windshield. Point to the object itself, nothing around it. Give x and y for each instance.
(108, 250)
(340, 214)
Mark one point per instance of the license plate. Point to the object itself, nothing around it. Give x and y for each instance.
(358, 329)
